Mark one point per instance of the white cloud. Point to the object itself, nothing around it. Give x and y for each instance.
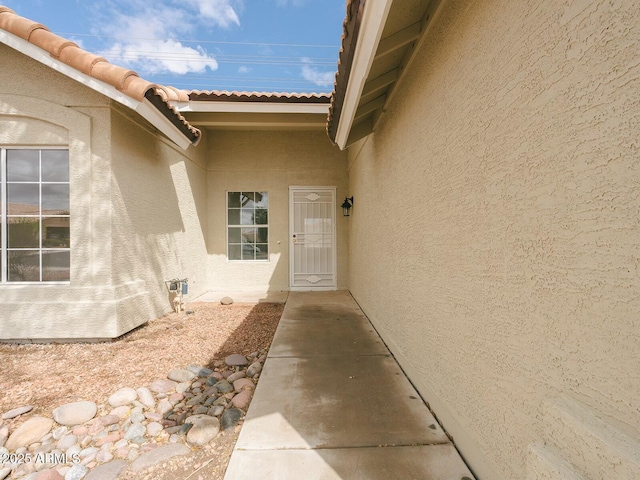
(158, 56)
(146, 35)
(221, 12)
(314, 75)
(244, 69)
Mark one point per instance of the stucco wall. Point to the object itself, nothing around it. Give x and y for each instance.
(40, 107)
(137, 209)
(159, 195)
(269, 161)
(503, 269)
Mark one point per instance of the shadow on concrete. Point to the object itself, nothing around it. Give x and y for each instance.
(332, 403)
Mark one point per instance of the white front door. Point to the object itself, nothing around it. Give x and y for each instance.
(312, 238)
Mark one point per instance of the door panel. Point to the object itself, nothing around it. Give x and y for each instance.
(312, 238)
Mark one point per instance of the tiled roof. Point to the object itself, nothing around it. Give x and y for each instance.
(350, 29)
(126, 81)
(267, 97)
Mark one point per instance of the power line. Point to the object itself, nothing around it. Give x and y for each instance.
(262, 44)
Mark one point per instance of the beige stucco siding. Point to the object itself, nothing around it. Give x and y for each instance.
(158, 214)
(503, 266)
(270, 161)
(136, 201)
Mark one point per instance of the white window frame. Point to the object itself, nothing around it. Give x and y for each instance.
(226, 214)
(4, 241)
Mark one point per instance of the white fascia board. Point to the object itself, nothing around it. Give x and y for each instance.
(162, 123)
(371, 27)
(144, 108)
(253, 107)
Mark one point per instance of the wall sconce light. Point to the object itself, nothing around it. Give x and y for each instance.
(346, 206)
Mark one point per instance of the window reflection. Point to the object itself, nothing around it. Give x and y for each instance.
(55, 165)
(23, 265)
(245, 211)
(23, 165)
(23, 199)
(38, 234)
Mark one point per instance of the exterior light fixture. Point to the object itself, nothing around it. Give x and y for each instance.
(346, 206)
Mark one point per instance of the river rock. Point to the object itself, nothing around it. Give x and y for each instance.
(50, 474)
(242, 399)
(226, 300)
(4, 434)
(124, 396)
(200, 371)
(135, 430)
(121, 412)
(77, 472)
(16, 412)
(29, 432)
(181, 375)
(224, 386)
(66, 442)
(205, 429)
(230, 418)
(154, 429)
(243, 384)
(163, 386)
(236, 360)
(108, 471)
(164, 406)
(236, 376)
(254, 369)
(159, 455)
(146, 397)
(75, 413)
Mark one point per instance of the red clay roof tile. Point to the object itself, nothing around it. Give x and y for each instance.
(124, 80)
(50, 42)
(225, 96)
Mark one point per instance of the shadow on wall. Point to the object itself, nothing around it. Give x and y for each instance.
(158, 205)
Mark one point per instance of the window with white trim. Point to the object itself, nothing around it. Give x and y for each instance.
(247, 225)
(34, 215)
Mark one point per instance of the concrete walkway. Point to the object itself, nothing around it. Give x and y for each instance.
(332, 403)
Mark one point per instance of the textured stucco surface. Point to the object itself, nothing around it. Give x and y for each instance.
(158, 214)
(503, 269)
(269, 161)
(135, 200)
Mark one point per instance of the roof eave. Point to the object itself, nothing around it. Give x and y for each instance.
(252, 107)
(371, 26)
(148, 110)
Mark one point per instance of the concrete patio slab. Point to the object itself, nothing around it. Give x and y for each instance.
(336, 402)
(332, 403)
(435, 462)
(298, 338)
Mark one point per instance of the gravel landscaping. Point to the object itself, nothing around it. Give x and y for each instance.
(164, 401)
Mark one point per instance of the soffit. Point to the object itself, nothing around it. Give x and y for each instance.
(406, 22)
(222, 110)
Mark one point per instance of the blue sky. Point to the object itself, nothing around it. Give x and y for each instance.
(262, 45)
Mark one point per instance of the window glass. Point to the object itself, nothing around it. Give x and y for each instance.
(23, 199)
(55, 266)
(55, 199)
(23, 232)
(234, 199)
(23, 265)
(36, 218)
(245, 211)
(23, 165)
(55, 166)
